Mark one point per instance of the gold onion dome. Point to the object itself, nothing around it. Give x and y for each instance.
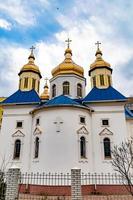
(68, 66)
(99, 62)
(30, 66)
(45, 94)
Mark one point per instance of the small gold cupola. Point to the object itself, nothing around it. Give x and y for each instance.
(30, 75)
(68, 66)
(45, 94)
(100, 71)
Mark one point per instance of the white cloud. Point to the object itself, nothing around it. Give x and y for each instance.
(5, 24)
(22, 12)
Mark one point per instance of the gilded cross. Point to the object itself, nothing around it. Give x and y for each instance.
(98, 44)
(32, 48)
(68, 42)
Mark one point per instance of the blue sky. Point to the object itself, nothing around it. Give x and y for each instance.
(46, 24)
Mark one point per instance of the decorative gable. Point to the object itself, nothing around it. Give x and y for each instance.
(37, 131)
(83, 130)
(105, 131)
(18, 133)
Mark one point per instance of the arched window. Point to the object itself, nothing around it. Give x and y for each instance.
(20, 83)
(107, 148)
(26, 82)
(38, 86)
(66, 88)
(79, 90)
(82, 147)
(101, 79)
(94, 81)
(54, 90)
(33, 83)
(17, 148)
(36, 147)
(109, 80)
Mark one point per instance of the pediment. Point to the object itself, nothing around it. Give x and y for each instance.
(105, 131)
(83, 130)
(37, 131)
(18, 133)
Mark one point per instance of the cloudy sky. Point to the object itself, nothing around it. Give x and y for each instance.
(46, 24)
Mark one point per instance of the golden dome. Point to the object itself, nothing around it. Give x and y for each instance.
(30, 66)
(45, 94)
(68, 66)
(99, 62)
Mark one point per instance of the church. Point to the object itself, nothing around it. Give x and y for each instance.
(64, 127)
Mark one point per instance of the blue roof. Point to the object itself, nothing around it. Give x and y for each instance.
(108, 94)
(22, 97)
(128, 113)
(61, 100)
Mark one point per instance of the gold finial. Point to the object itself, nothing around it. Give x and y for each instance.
(31, 54)
(68, 42)
(98, 44)
(45, 94)
(98, 49)
(46, 79)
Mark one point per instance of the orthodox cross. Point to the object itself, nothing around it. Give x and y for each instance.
(46, 79)
(58, 123)
(32, 48)
(68, 42)
(98, 44)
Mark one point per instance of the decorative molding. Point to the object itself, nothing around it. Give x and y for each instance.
(18, 133)
(105, 132)
(37, 131)
(83, 130)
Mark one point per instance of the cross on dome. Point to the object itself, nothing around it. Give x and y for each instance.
(98, 44)
(68, 42)
(32, 48)
(46, 79)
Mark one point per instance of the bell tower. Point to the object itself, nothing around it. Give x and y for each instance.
(100, 71)
(29, 75)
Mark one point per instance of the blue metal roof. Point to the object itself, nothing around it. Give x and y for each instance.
(108, 94)
(128, 113)
(23, 97)
(61, 100)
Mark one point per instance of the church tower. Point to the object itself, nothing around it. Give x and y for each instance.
(29, 75)
(45, 95)
(100, 71)
(68, 77)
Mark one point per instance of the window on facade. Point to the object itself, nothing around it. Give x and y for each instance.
(79, 90)
(33, 83)
(105, 122)
(36, 147)
(94, 81)
(19, 124)
(20, 83)
(66, 88)
(109, 80)
(37, 121)
(26, 82)
(38, 86)
(82, 147)
(82, 120)
(54, 90)
(102, 79)
(17, 148)
(107, 148)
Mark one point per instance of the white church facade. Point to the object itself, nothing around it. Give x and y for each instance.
(64, 127)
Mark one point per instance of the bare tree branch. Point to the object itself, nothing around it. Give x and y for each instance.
(122, 162)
